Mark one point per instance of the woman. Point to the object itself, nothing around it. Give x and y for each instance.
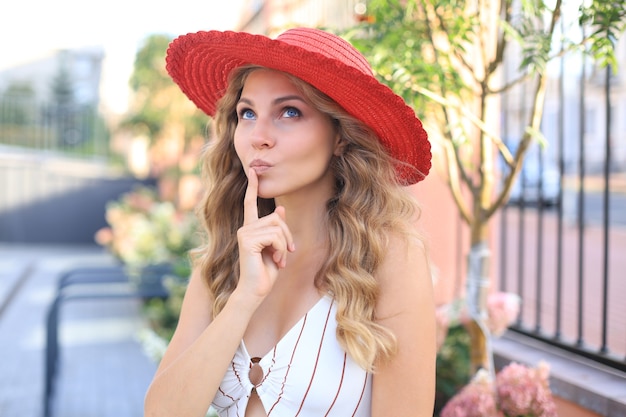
(312, 295)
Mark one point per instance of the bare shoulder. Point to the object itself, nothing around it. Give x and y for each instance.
(405, 271)
(405, 385)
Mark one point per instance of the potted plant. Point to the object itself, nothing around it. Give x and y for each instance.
(150, 237)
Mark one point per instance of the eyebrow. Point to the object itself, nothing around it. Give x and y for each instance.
(276, 100)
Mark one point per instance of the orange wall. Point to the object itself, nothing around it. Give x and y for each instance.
(443, 227)
(440, 223)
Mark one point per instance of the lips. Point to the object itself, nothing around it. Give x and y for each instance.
(260, 166)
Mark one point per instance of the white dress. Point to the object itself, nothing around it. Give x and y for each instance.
(307, 374)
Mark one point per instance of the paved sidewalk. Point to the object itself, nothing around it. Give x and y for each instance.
(103, 370)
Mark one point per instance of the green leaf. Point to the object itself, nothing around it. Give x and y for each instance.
(607, 21)
(537, 135)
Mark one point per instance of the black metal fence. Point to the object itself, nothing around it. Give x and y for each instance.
(562, 244)
(70, 128)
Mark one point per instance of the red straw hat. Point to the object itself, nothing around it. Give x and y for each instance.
(201, 62)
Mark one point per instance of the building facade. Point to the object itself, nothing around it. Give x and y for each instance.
(271, 17)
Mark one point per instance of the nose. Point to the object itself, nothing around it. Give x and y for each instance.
(261, 135)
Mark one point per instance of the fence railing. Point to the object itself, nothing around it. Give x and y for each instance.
(562, 244)
(70, 128)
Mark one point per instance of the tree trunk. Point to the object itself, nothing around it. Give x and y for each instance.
(477, 285)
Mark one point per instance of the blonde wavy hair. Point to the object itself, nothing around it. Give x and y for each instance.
(368, 205)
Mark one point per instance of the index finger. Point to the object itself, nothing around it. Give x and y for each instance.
(250, 208)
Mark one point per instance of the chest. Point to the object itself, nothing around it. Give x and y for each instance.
(306, 373)
(276, 317)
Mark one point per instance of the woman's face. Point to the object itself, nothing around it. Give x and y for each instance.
(280, 135)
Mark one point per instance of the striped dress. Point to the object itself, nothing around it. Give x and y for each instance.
(307, 374)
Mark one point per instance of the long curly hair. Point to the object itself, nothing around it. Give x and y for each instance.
(368, 204)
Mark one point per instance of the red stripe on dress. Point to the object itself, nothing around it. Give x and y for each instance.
(235, 402)
(343, 372)
(230, 397)
(269, 369)
(317, 359)
(361, 397)
(225, 395)
(232, 365)
(293, 353)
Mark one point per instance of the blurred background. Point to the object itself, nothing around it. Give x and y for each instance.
(99, 177)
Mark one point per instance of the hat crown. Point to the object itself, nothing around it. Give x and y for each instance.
(201, 63)
(329, 45)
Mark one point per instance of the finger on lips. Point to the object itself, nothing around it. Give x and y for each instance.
(250, 209)
(251, 215)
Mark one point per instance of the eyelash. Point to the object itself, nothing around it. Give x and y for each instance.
(242, 112)
(245, 110)
(290, 108)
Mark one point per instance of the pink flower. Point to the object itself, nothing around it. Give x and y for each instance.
(502, 310)
(525, 391)
(476, 399)
(104, 236)
(141, 200)
(519, 391)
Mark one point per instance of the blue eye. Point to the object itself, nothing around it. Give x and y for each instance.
(291, 112)
(246, 114)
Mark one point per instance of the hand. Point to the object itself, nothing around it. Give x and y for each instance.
(263, 244)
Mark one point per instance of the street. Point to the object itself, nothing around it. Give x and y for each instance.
(594, 208)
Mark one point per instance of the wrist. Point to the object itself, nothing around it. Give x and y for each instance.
(243, 302)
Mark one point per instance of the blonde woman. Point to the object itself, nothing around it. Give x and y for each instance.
(312, 295)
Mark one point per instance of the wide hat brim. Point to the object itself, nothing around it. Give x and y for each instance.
(201, 62)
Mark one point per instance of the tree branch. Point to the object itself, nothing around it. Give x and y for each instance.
(536, 115)
(454, 51)
(505, 8)
(453, 181)
(502, 148)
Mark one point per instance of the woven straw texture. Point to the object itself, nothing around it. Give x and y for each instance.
(201, 62)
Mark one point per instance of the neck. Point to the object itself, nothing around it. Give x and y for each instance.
(306, 219)
(307, 223)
